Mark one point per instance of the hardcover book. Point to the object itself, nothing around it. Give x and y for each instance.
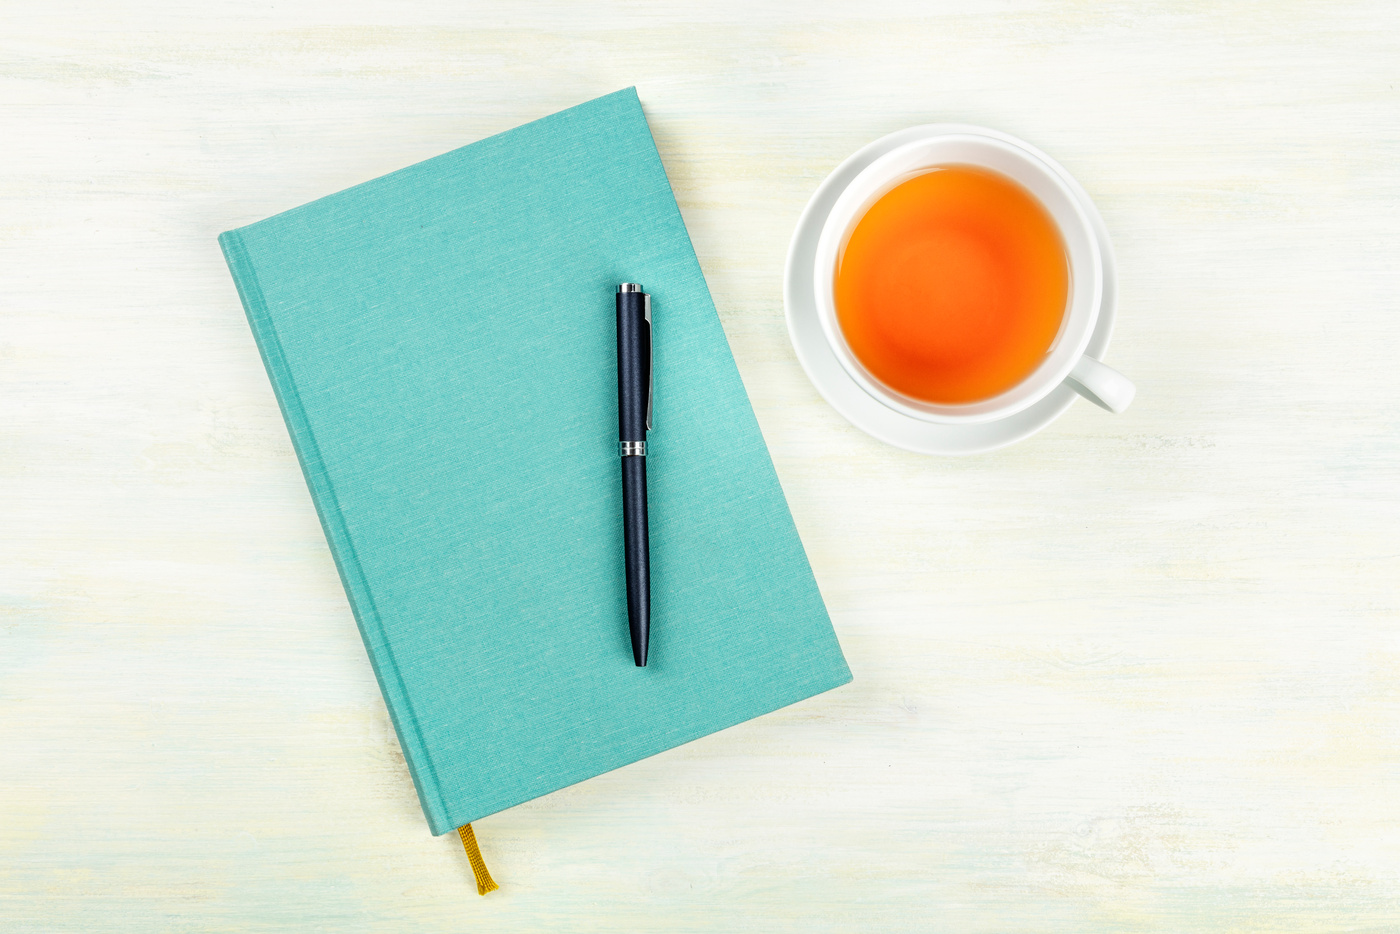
(441, 342)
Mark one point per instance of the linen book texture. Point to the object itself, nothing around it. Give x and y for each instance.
(441, 343)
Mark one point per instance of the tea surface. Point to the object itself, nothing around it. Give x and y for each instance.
(953, 286)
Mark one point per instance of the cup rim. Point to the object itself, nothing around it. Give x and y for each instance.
(1086, 285)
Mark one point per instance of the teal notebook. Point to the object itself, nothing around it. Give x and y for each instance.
(441, 341)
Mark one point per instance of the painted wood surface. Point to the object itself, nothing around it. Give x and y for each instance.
(1134, 674)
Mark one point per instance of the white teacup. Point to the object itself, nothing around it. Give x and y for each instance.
(1065, 361)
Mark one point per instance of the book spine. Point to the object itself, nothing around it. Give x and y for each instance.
(381, 654)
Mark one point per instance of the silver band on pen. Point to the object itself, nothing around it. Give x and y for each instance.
(632, 448)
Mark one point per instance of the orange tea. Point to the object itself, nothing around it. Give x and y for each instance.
(953, 285)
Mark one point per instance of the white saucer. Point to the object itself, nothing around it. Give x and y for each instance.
(846, 396)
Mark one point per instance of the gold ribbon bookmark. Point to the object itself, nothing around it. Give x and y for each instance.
(484, 882)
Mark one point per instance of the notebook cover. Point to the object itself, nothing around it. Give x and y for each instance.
(441, 342)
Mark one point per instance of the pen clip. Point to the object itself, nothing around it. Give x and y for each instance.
(646, 316)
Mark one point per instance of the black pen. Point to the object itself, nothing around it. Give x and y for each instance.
(633, 422)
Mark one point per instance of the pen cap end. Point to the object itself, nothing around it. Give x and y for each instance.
(629, 287)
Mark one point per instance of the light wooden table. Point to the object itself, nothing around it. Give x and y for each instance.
(1135, 674)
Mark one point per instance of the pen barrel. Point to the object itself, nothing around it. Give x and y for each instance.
(634, 543)
(633, 366)
(633, 411)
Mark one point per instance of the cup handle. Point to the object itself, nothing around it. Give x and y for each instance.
(1102, 385)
